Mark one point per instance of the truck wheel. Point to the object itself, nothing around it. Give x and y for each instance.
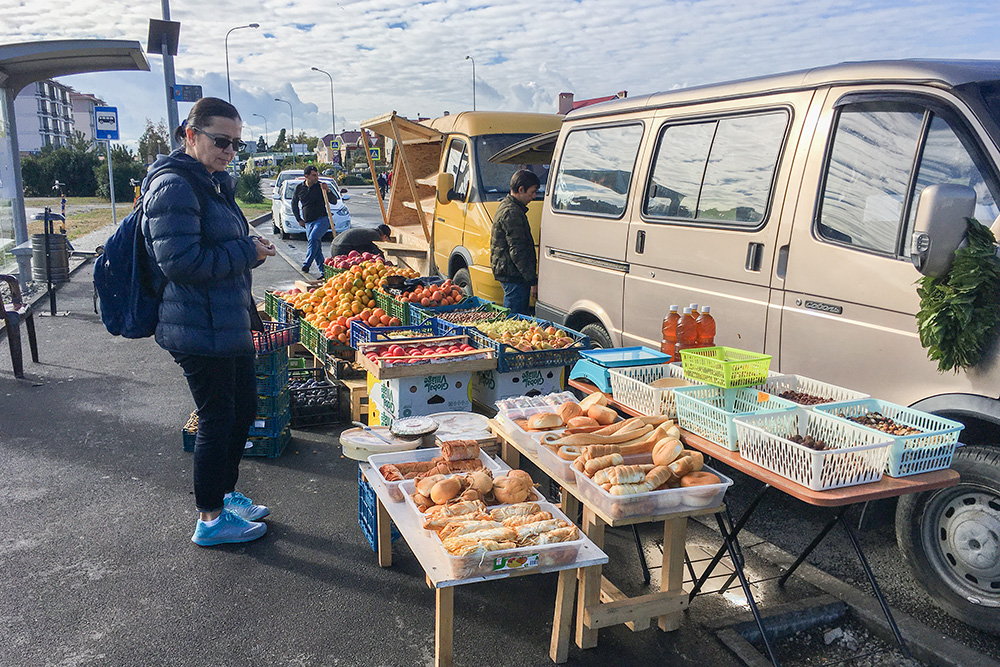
(951, 538)
(463, 279)
(599, 337)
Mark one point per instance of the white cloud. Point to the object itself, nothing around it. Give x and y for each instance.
(410, 56)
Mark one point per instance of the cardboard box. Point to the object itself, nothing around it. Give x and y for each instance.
(490, 386)
(421, 396)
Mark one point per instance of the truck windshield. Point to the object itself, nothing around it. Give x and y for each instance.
(493, 182)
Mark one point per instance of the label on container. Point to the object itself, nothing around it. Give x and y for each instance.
(260, 423)
(515, 562)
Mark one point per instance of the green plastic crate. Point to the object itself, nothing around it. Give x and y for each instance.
(267, 447)
(271, 363)
(725, 367)
(393, 308)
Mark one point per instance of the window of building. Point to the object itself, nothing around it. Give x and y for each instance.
(595, 170)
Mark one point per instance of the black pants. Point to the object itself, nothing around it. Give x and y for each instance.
(225, 393)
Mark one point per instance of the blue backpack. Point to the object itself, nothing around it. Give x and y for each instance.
(128, 282)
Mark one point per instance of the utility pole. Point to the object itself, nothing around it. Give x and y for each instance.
(173, 118)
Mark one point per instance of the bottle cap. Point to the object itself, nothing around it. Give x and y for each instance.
(687, 311)
(674, 309)
(706, 309)
(694, 307)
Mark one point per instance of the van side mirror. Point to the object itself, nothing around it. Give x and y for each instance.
(939, 227)
(445, 185)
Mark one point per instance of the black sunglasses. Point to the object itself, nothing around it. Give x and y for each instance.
(221, 141)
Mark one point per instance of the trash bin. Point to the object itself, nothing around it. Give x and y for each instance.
(58, 251)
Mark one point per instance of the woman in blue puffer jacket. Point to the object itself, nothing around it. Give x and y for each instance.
(198, 237)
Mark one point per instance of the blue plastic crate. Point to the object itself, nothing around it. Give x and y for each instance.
(362, 333)
(267, 447)
(368, 513)
(187, 439)
(275, 336)
(272, 385)
(271, 363)
(270, 406)
(270, 427)
(511, 359)
(420, 314)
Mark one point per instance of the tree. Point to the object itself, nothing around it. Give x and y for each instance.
(154, 141)
(280, 145)
(127, 167)
(261, 145)
(73, 165)
(310, 142)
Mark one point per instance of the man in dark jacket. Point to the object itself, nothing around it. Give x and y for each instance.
(314, 216)
(512, 249)
(361, 239)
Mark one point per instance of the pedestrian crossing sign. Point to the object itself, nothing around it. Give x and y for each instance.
(335, 144)
(375, 153)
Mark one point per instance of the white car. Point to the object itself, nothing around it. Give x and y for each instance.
(283, 220)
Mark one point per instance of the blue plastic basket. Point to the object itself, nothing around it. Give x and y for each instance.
(267, 447)
(270, 406)
(420, 314)
(271, 363)
(368, 513)
(270, 427)
(511, 359)
(272, 385)
(709, 411)
(931, 449)
(274, 336)
(362, 333)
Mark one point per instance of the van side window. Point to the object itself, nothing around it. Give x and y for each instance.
(457, 164)
(719, 170)
(595, 170)
(869, 185)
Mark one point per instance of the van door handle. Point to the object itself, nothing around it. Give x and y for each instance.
(755, 254)
(640, 241)
(782, 261)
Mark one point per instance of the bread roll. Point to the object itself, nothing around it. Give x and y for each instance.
(699, 479)
(597, 398)
(632, 474)
(697, 459)
(544, 421)
(602, 415)
(593, 465)
(425, 485)
(511, 489)
(568, 410)
(682, 466)
(569, 452)
(522, 474)
(666, 451)
(581, 422)
(459, 450)
(445, 490)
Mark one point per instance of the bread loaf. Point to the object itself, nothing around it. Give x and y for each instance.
(459, 450)
(597, 398)
(568, 410)
(445, 490)
(601, 414)
(665, 451)
(544, 421)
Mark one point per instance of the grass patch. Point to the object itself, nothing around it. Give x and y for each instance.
(53, 202)
(81, 224)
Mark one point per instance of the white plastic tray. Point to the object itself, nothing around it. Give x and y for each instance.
(461, 426)
(565, 470)
(408, 487)
(527, 439)
(379, 460)
(522, 407)
(654, 502)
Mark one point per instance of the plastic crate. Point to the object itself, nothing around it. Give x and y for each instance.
(419, 314)
(272, 385)
(187, 439)
(630, 385)
(340, 369)
(270, 427)
(275, 335)
(368, 513)
(777, 384)
(392, 307)
(362, 333)
(709, 411)
(511, 359)
(267, 447)
(654, 503)
(271, 363)
(725, 367)
(271, 305)
(310, 335)
(858, 454)
(315, 406)
(931, 449)
(270, 406)
(330, 272)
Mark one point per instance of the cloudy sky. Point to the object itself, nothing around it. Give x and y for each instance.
(410, 56)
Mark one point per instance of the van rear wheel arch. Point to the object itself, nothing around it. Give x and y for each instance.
(590, 325)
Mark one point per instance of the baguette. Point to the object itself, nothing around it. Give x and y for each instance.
(657, 477)
(625, 425)
(593, 465)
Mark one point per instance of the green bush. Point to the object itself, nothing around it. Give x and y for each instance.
(72, 165)
(354, 179)
(126, 168)
(248, 188)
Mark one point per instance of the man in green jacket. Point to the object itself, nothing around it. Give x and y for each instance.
(512, 249)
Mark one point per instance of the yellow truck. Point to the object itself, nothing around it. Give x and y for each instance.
(445, 191)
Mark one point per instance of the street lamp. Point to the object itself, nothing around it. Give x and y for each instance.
(473, 81)
(333, 109)
(292, 116)
(265, 128)
(229, 90)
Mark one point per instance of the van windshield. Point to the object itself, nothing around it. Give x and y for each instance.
(493, 182)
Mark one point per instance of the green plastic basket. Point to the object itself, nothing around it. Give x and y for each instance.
(725, 367)
(271, 306)
(330, 272)
(393, 307)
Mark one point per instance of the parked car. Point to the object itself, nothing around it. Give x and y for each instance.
(283, 220)
(284, 176)
(793, 205)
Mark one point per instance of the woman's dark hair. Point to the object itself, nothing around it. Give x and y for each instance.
(202, 113)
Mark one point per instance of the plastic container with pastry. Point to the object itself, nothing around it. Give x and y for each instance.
(652, 503)
(420, 456)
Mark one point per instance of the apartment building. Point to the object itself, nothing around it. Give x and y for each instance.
(44, 116)
(84, 118)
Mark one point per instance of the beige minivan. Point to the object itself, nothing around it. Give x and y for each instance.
(787, 203)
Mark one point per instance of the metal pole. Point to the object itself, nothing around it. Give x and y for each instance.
(111, 185)
(229, 90)
(266, 138)
(333, 109)
(473, 81)
(47, 228)
(173, 118)
(291, 115)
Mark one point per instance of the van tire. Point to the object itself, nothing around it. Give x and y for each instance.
(940, 532)
(598, 336)
(463, 279)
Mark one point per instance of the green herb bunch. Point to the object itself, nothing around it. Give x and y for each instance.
(959, 311)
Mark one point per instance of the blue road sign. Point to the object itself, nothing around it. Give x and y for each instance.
(106, 126)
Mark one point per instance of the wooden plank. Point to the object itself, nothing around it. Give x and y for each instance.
(510, 455)
(590, 583)
(410, 179)
(672, 571)
(384, 535)
(562, 621)
(371, 168)
(634, 609)
(610, 593)
(569, 504)
(419, 370)
(444, 622)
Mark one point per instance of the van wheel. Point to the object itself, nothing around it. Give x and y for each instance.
(463, 279)
(599, 337)
(951, 539)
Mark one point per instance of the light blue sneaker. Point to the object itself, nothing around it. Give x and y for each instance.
(243, 507)
(229, 529)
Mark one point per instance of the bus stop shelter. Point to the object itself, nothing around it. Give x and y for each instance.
(23, 64)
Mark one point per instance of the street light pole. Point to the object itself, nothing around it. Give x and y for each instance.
(229, 90)
(473, 81)
(291, 115)
(333, 109)
(266, 141)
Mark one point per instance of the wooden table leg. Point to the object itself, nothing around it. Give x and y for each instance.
(510, 456)
(569, 505)
(589, 594)
(444, 622)
(384, 535)
(672, 572)
(562, 621)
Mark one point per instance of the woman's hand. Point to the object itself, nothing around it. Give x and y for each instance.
(264, 247)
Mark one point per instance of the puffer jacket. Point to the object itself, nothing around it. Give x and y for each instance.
(201, 245)
(512, 249)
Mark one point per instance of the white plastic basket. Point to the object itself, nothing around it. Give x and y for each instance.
(858, 455)
(779, 384)
(931, 449)
(630, 385)
(709, 411)
(654, 503)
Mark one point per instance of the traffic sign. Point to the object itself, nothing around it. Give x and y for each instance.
(106, 123)
(335, 144)
(375, 153)
(187, 93)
